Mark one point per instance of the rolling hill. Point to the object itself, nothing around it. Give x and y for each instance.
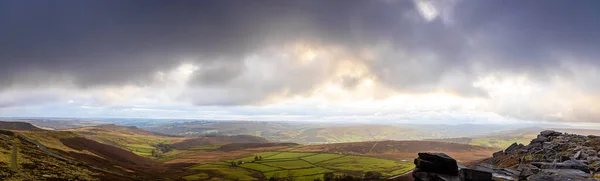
(401, 150)
(107, 152)
(217, 140)
(305, 133)
(18, 126)
(139, 141)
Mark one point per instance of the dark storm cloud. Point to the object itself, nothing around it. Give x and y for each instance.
(106, 42)
(526, 34)
(124, 42)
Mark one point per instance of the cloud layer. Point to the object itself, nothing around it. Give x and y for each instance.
(516, 59)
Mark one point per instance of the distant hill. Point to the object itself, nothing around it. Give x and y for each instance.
(357, 133)
(402, 149)
(296, 132)
(578, 131)
(201, 141)
(18, 126)
(116, 129)
(139, 141)
(241, 146)
(499, 139)
(59, 124)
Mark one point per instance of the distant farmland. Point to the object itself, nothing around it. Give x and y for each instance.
(302, 166)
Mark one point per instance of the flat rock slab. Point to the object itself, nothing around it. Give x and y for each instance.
(552, 177)
(569, 164)
(437, 163)
(467, 174)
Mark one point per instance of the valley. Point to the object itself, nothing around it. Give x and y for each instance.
(114, 151)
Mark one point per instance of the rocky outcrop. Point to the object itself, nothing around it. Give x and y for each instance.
(550, 156)
(467, 174)
(498, 154)
(437, 163)
(441, 167)
(555, 177)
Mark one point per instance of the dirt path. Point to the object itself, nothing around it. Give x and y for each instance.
(14, 163)
(372, 147)
(407, 174)
(13, 157)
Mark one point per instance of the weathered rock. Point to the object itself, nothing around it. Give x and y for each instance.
(467, 174)
(540, 139)
(497, 154)
(569, 164)
(592, 136)
(577, 155)
(498, 172)
(552, 177)
(533, 145)
(511, 148)
(563, 158)
(549, 145)
(420, 175)
(591, 159)
(437, 163)
(591, 152)
(527, 170)
(548, 133)
(567, 172)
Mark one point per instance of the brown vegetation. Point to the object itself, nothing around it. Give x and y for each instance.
(115, 158)
(18, 126)
(402, 150)
(201, 141)
(241, 146)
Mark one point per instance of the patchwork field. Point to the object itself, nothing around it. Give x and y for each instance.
(300, 166)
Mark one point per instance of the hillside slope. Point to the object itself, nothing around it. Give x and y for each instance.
(139, 141)
(201, 141)
(21, 159)
(402, 150)
(9, 125)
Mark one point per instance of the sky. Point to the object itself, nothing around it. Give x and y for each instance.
(398, 61)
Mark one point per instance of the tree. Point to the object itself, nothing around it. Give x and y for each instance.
(233, 164)
(372, 175)
(255, 158)
(290, 176)
(328, 176)
(260, 157)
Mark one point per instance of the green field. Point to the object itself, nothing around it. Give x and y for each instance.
(200, 176)
(321, 157)
(360, 163)
(284, 155)
(264, 155)
(259, 167)
(291, 164)
(308, 166)
(224, 171)
(140, 149)
(298, 172)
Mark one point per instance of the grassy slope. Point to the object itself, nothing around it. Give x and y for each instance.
(35, 164)
(138, 141)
